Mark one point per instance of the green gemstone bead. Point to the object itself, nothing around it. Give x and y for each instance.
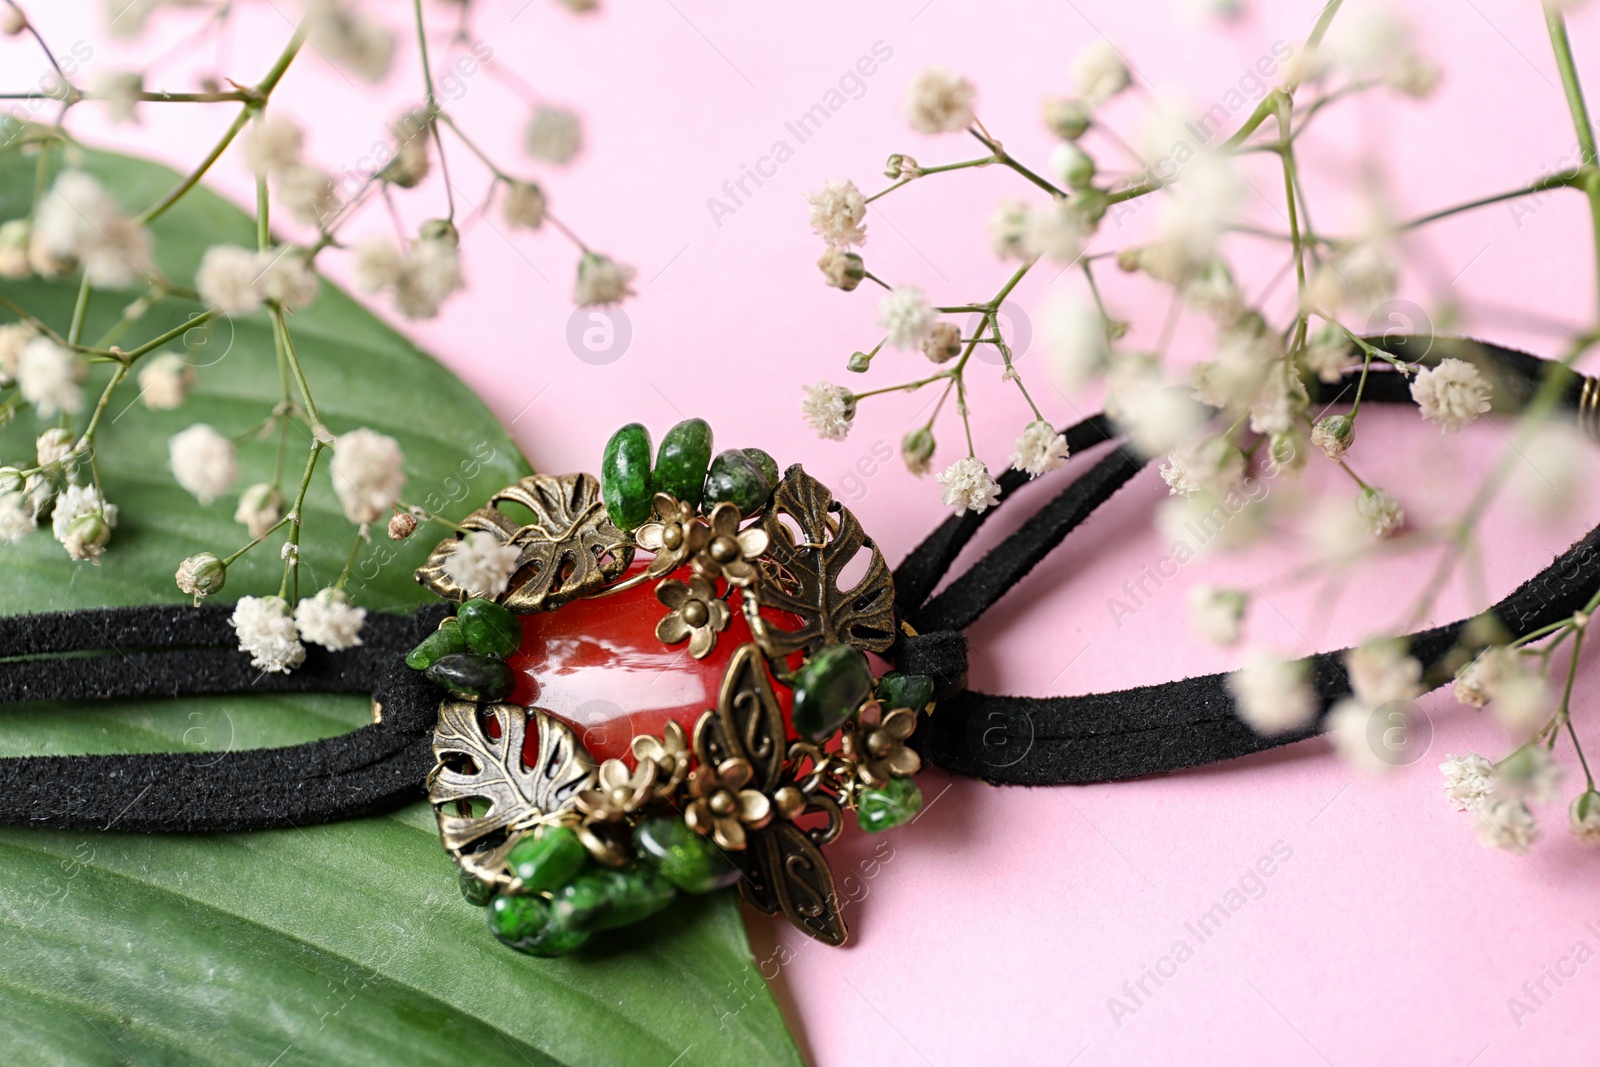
(472, 677)
(445, 641)
(734, 477)
(527, 925)
(547, 860)
(769, 466)
(603, 898)
(896, 690)
(891, 806)
(685, 858)
(682, 461)
(490, 629)
(478, 893)
(625, 477)
(828, 689)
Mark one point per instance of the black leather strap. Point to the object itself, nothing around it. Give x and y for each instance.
(1136, 732)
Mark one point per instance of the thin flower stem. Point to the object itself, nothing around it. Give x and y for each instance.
(262, 91)
(291, 562)
(80, 309)
(1557, 181)
(280, 327)
(1556, 23)
(1000, 156)
(274, 528)
(350, 561)
(433, 111)
(100, 407)
(472, 146)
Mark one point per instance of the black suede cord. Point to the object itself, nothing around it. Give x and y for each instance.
(165, 651)
(1187, 723)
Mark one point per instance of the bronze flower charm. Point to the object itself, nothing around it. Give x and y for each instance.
(675, 535)
(729, 552)
(620, 792)
(670, 754)
(877, 744)
(721, 807)
(696, 614)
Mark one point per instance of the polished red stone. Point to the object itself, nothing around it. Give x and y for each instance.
(598, 666)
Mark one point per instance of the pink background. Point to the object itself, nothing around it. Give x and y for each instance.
(1007, 919)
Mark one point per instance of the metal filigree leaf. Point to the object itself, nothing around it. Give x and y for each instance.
(487, 776)
(569, 550)
(787, 873)
(807, 582)
(748, 723)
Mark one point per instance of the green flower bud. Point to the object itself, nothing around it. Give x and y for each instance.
(201, 575)
(916, 448)
(1067, 119)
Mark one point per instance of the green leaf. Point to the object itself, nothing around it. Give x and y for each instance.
(330, 945)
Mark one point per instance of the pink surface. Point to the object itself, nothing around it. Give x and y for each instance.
(1006, 924)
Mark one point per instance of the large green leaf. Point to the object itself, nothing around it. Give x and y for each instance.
(342, 944)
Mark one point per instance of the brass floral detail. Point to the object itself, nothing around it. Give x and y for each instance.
(696, 614)
(805, 573)
(619, 791)
(569, 550)
(876, 744)
(728, 552)
(670, 754)
(721, 808)
(676, 533)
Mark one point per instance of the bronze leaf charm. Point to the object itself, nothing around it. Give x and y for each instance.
(807, 578)
(569, 550)
(483, 794)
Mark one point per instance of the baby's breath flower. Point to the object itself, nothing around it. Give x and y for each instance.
(120, 90)
(201, 575)
(78, 222)
(227, 279)
(1216, 613)
(1381, 511)
(1068, 119)
(1279, 401)
(1056, 232)
(1040, 450)
(48, 377)
(1452, 395)
(943, 342)
(15, 236)
(838, 211)
(1354, 727)
(1008, 228)
(82, 521)
(553, 135)
(1155, 417)
(481, 565)
(938, 101)
(1272, 694)
(1530, 773)
(1099, 73)
(905, 314)
(367, 473)
(1327, 354)
(602, 280)
(308, 192)
(1522, 703)
(286, 276)
(202, 461)
(967, 486)
(12, 20)
(1210, 465)
(830, 409)
(165, 381)
(1508, 825)
(1479, 679)
(410, 163)
(1073, 165)
(1585, 817)
(266, 630)
(1361, 278)
(54, 446)
(916, 449)
(1077, 335)
(271, 143)
(1468, 780)
(1381, 672)
(378, 265)
(17, 516)
(525, 205)
(1334, 434)
(841, 269)
(429, 274)
(260, 508)
(348, 39)
(329, 619)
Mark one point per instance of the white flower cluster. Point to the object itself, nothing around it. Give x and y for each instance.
(79, 226)
(420, 278)
(237, 281)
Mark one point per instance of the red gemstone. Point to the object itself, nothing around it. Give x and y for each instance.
(598, 666)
